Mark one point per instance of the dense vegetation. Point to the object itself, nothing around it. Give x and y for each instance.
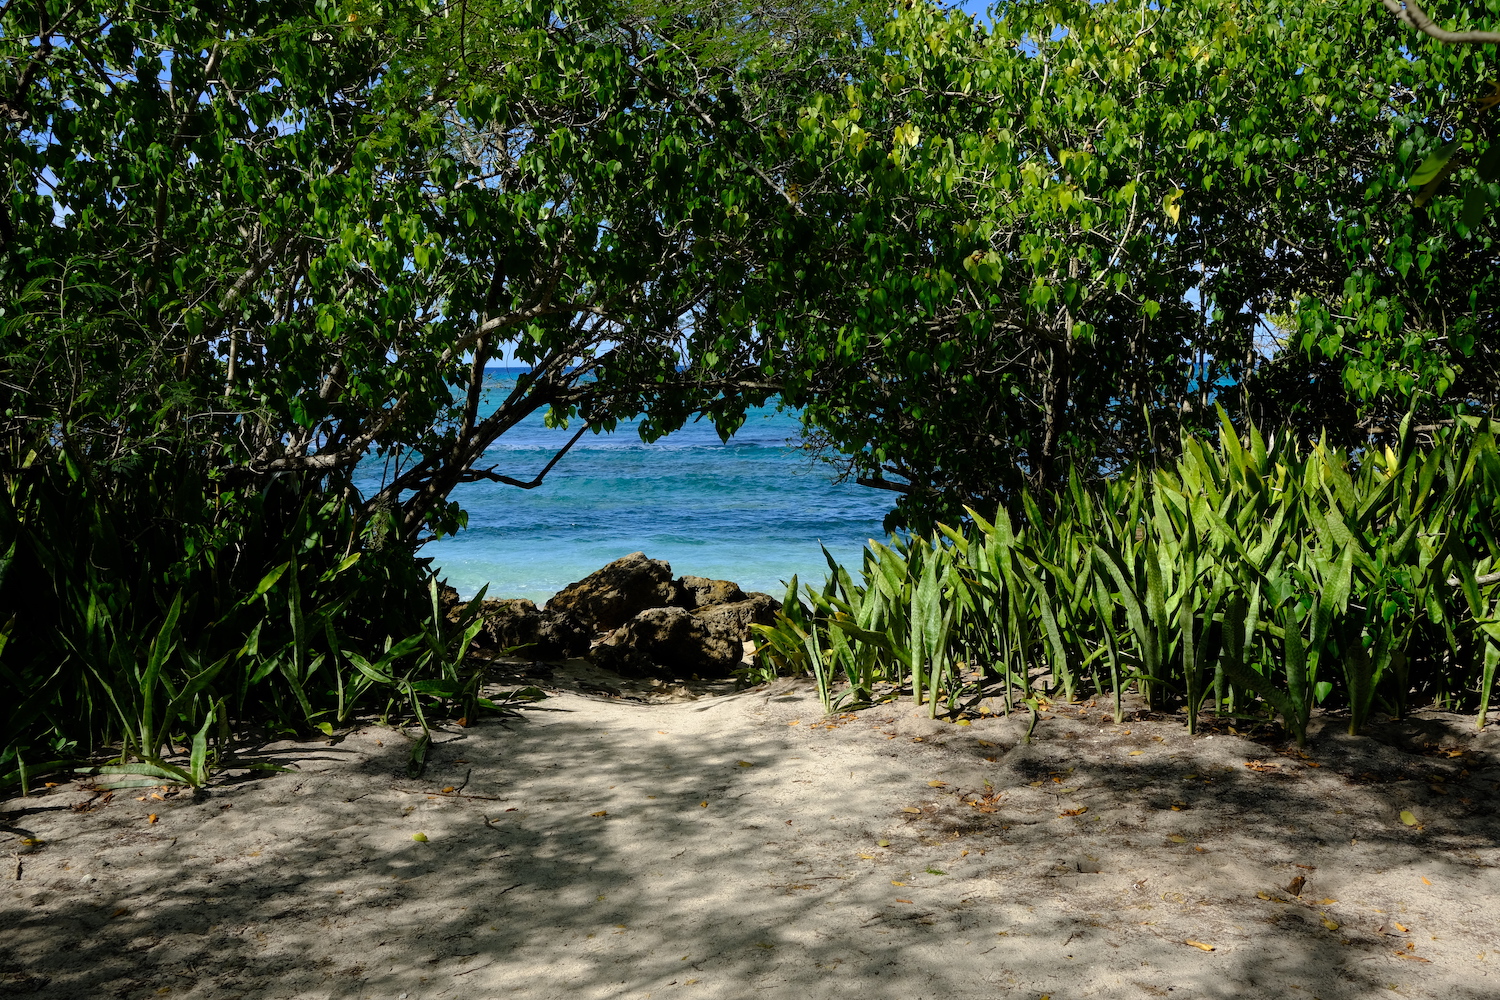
(244, 250)
(1054, 244)
(1245, 578)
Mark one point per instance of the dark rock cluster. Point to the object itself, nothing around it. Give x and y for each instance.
(633, 618)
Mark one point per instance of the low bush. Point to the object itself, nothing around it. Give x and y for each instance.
(147, 610)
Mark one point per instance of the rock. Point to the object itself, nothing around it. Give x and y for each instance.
(508, 623)
(617, 593)
(561, 635)
(546, 635)
(669, 643)
(732, 621)
(448, 600)
(701, 592)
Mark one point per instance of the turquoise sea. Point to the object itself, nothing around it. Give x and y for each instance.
(753, 510)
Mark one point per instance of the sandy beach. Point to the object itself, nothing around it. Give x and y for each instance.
(741, 845)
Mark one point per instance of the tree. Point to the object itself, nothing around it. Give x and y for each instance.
(1053, 243)
(245, 249)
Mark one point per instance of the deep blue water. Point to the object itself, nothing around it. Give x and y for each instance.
(753, 510)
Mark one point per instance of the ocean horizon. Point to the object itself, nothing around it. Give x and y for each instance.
(756, 509)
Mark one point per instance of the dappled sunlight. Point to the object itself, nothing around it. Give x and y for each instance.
(599, 848)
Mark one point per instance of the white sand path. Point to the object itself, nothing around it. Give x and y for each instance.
(737, 855)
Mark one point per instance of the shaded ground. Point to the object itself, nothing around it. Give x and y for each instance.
(732, 845)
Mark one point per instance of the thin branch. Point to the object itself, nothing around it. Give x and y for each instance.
(490, 475)
(1414, 16)
(1482, 581)
(884, 484)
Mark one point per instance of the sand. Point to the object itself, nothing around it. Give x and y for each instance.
(739, 845)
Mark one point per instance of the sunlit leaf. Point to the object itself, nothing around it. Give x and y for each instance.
(1431, 166)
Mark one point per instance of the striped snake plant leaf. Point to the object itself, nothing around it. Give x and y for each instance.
(1039, 594)
(1136, 613)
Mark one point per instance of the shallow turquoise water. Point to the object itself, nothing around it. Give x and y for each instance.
(753, 510)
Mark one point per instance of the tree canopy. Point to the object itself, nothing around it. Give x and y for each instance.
(1057, 240)
(246, 249)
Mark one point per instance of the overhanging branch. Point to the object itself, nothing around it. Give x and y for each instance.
(490, 475)
(1409, 13)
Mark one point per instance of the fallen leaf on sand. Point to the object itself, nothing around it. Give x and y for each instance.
(119, 913)
(703, 804)
(984, 743)
(910, 809)
(1177, 838)
(601, 812)
(1424, 880)
(1200, 945)
(744, 763)
(1073, 812)
(903, 901)
(1408, 818)
(1135, 753)
(937, 784)
(902, 884)
(882, 843)
(1329, 922)
(151, 818)
(447, 788)
(420, 838)
(1399, 927)
(868, 857)
(1295, 886)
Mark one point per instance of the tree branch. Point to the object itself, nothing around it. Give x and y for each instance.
(884, 484)
(490, 475)
(1409, 13)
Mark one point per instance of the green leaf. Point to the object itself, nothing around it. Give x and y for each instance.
(1476, 204)
(1433, 165)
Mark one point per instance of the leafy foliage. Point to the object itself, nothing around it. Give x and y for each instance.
(246, 249)
(1247, 578)
(1056, 241)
